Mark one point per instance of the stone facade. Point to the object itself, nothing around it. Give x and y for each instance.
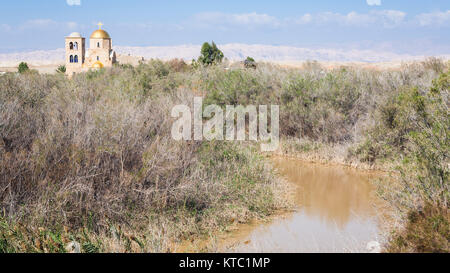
(99, 54)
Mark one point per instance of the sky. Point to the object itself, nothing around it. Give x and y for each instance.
(400, 26)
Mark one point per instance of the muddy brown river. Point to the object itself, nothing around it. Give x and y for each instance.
(336, 212)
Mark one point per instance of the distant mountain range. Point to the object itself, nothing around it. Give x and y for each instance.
(234, 52)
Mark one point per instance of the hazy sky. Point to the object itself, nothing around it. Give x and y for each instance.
(401, 26)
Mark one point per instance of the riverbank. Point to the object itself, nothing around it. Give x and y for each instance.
(328, 154)
(339, 200)
(335, 209)
(90, 160)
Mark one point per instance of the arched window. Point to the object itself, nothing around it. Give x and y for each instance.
(71, 58)
(98, 44)
(98, 58)
(75, 46)
(71, 46)
(75, 59)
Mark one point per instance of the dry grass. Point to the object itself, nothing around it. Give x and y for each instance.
(395, 120)
(91, 159)
(425, 231)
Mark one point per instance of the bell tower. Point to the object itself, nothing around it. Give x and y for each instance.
(75, 53)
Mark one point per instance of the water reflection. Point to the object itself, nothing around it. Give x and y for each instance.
(336, 212)
(333, 194)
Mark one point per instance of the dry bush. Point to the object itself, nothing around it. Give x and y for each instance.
(178, 65)
(83, 156)
(420, 122)
(312, 66)
(93, 155)
(377, 118)
(426, 231)
(434, 64)
(334, 106)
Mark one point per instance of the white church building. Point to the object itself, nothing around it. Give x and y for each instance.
(100, 53)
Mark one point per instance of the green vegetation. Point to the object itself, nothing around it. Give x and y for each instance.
(210, 54)
(91, 159)
(394, 120)
(250, 63)
(23, 67)
(425, 185)
(61, 69)
(427, 230)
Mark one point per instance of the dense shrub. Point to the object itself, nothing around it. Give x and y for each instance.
(91, 159)
(333, 106)
(83, 156)
(210, 54)
(414, 127)
(423, 190)
(389, 138)
(435, 64)
(426, 230)
(61, 69)
(23, 67)
(178, 65)
(250, 63)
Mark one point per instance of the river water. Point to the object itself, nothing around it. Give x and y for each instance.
(336, 212)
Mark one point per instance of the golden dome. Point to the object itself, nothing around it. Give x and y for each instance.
(100, 34)
(97, 65)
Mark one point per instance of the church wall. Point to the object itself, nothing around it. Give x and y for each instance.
(75, 49)
(102, 54)
(104, 43)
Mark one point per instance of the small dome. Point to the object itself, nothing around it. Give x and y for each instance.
(100, 34)
(74, 35)
(97, 65)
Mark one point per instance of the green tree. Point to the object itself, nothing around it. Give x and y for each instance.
(23, 67)
(210, 54)
(61, 69)
(250, 63)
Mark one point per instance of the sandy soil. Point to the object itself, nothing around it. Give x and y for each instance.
(43, 69)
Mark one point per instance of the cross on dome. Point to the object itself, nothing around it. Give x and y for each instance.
(100, 24)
